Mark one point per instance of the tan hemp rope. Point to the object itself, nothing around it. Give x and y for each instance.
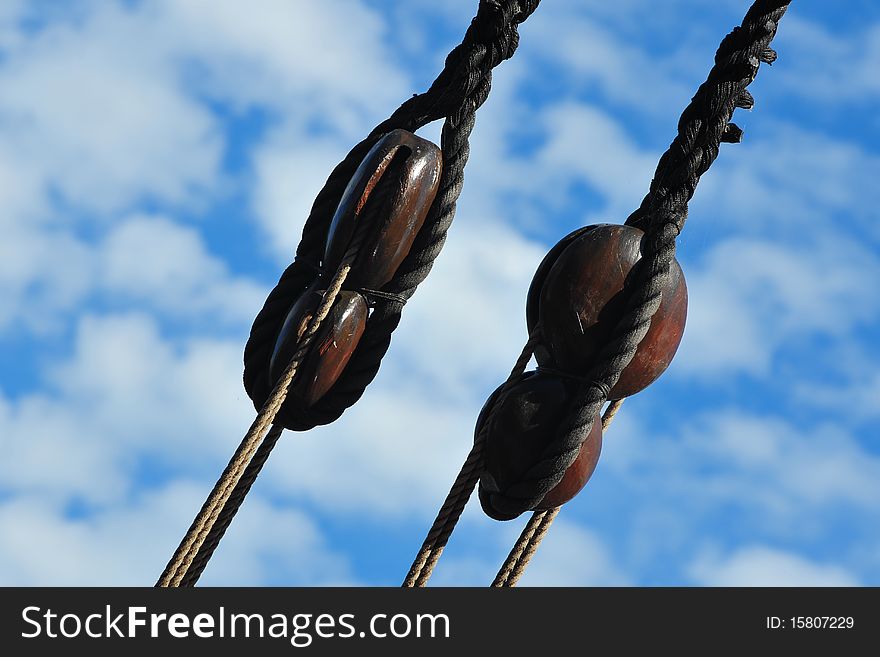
(189, 547)
(538, 526)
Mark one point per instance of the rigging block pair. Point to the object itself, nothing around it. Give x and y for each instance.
(378, 217)
(605, 312)
(576, 299)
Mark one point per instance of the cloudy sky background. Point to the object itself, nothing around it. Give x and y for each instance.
(157, 160)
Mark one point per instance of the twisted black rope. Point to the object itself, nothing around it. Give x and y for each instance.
(703, 126)
(460, 89)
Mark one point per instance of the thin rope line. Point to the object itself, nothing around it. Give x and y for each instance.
(185, 554)
(236, 498)
(610, 413)
(227, 495)
(525, 547)
(537, 527)
(425, 561)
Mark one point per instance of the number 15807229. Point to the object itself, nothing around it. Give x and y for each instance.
(810, 623)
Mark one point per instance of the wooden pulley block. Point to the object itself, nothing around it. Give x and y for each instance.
(576, 299)
(402, 174)
(522, 422)
(331, 348)
(534, 296)
(393, 187)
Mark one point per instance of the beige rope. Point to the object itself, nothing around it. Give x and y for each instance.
(538, 526)
(192, 542)
(188, 549)
(610, 413)
(459, 494)
(525, 547)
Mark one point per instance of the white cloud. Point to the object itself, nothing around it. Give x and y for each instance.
(818, 467)
(144, 387)
(394, 454)
(101, 123)
(860, 395)
(151, 260)
(94, 120)
(465, 327)
(573, 556)
(101, 111)
(818, 60)
(572, 145)
(50, 452)
(297, 57)
(750, 297)
(592, 58)
(129, 544)
(779, 474)
(143, 261)
(760, 187)
(42, 274)
(764, 566)
(309, 70)
(125, 399)
(585, 142)
(11, 13)
(289, 176)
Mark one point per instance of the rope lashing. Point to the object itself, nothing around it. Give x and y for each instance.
(580, 295)
(399, 178)
(702, 128)
(384, 206)
(456, 95)
(704, 125)
(224, 518)
(524, 548)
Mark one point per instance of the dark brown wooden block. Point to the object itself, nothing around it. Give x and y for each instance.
(579, 473)
(580, 300)
(525, 421)
(415, 165)
(331, 349)
(298, 318)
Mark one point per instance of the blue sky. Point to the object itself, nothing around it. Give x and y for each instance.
(157, 161)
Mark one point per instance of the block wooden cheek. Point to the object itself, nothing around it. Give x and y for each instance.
(575, 302)
(411, 166)
(581, 300)
(407, 168)
(295, 324)
(579, 473)
(525, 420)
(331, 349)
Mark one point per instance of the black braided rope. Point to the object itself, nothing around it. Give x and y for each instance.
(703, 126)
(460, 89)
